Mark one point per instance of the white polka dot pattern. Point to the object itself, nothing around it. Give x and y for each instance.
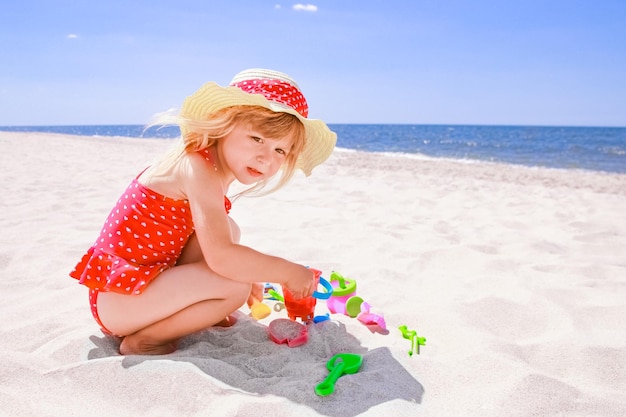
(277, 91)
(144, 234)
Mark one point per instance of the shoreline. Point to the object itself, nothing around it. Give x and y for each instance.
(408, 155)
(428, 161)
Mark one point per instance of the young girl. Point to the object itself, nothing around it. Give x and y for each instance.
(168, 261)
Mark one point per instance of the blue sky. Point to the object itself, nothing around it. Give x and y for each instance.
(530, 62)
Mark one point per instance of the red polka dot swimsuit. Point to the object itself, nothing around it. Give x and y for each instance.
(143, 235)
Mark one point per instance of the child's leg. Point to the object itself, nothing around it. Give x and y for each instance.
(180, 301)
(161, 337)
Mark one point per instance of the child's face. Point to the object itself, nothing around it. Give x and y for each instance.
(252, 157)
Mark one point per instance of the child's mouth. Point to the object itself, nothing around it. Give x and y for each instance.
(253, 172)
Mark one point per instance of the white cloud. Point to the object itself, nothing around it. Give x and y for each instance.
(72, 36)
(277, 6)
(305, 7)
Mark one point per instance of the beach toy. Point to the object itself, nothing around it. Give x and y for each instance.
(341, 363)
(304, 308)
(269, 292)
(280, 305)
(287, 331)
(345, 301)
(276, 296)
(319, 319)
(258, 310)
(368, 317)
(343, 290)
(353, 306)
(416, 341)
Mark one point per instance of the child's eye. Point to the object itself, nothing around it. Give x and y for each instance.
(281, 151)
(257, 139)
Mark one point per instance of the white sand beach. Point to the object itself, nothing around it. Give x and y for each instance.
(516, 277)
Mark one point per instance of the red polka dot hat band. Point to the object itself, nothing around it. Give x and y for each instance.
(273, 89)
(270, 89)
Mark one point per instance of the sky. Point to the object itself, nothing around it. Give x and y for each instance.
(479, 62)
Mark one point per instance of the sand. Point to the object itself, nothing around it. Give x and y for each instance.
(516, 276)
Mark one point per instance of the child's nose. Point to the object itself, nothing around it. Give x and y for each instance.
(264, 156)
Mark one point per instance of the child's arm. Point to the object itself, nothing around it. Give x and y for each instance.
(203, 188)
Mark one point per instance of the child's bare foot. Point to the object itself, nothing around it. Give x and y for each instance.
(227, 322)
(135, 344)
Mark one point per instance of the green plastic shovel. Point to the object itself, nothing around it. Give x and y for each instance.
(341, 363)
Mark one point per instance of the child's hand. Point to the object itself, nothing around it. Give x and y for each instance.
(302, 285)
(256, 294)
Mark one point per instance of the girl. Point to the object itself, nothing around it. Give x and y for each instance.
(168, 261)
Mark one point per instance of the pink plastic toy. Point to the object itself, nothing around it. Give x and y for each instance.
(345, 301)
(343, 290)
(368, 317)
(288, 331)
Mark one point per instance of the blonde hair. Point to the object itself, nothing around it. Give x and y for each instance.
(201, 134)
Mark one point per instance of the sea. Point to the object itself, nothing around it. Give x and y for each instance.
(587, 148)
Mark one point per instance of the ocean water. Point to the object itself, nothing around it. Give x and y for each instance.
(590, 148)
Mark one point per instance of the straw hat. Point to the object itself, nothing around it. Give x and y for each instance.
(275, 91)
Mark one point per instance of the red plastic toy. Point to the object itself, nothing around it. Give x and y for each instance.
(304, 308)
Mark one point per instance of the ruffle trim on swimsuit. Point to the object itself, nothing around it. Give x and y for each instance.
(106, 272)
